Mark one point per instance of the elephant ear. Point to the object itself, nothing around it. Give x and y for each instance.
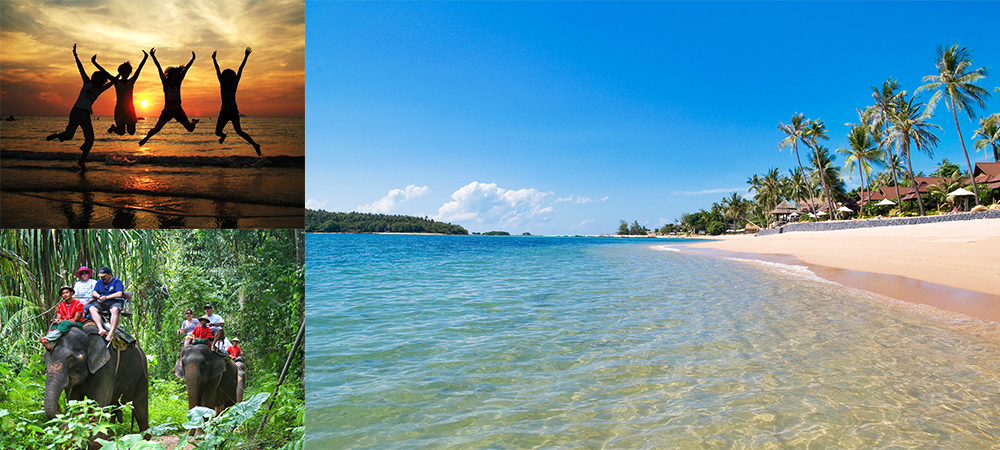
(179, 369)
(98, 354)
(218, 365)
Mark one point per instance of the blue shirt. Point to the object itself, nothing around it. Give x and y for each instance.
(106, 289)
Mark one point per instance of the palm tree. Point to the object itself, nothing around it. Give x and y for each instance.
(910, 127)
(885, 100)
(735, 207)
(795, 132)
(817, 130)
(941, 190)
(863, 153)
(956, 81)
(796, 184)
(989, 134)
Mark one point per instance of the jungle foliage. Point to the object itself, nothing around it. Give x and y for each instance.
(253, 278)
(356, 222)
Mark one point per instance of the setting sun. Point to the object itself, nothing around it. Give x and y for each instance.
(144, 103)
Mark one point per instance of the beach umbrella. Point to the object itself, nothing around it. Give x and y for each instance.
(821, 213)
(885, 202)
(845, 209)
(959, 192)
(812, 215)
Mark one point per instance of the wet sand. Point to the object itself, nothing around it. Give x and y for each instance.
(952, 266)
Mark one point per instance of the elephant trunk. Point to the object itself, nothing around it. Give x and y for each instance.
(55, 383)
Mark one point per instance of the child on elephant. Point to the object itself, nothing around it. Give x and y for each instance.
(234, 350)
(202, 331)
(69, 313)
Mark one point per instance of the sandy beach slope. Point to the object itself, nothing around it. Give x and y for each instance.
(961, 254)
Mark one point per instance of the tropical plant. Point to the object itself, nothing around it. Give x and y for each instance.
(885, 98)
(816, 131)
(911, 128)
(942, 188)
(956, 80)
(989, 134)
(863, 153)
(735, 207)
(795, 132)
(797, 186)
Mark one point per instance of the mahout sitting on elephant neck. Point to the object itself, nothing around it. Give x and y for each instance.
(81, 365)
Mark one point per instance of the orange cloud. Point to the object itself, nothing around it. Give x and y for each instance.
(41, 77)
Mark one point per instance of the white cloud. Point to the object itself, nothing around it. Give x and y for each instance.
(710, 191)
(489, 203)
(315, 204)
(577, 199)
(585, 222)
(385, 204)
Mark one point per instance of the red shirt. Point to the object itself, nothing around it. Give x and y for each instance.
(234, 351)
(66, 312)
(202, 333)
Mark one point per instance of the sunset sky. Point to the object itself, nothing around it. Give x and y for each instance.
(40, 77)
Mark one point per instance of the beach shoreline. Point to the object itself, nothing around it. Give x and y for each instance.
(949, 266)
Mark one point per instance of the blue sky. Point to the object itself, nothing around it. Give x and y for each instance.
(564, 118)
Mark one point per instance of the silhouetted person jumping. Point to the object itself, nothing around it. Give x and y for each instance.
(229, 81)
(171, 80)
(79, 116)
(125, 117)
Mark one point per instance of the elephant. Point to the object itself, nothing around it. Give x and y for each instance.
(211, 378)
(241, 378)
(82, 365)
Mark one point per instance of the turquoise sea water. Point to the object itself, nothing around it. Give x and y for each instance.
(517, 342)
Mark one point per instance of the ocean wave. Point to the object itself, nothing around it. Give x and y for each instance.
(112, 159)
(790, 269)
(664, 248)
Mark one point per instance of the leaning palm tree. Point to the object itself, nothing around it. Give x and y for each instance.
(795, 132)
(989, 134)
(957, 81)
(863, 153)
(910, 128)
(817, 130)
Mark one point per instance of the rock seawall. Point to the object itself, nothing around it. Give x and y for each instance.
(870, 223)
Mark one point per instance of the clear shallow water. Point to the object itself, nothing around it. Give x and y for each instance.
(507, 342)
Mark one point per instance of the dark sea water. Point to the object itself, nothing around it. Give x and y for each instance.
(178, 179)
(535, 342)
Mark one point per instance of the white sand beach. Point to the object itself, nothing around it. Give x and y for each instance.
(962, 254)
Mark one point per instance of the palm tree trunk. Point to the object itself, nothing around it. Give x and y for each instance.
(822, 180)
(861, 206)
(954, 112)
(909, 168)
(798, 200)
(892, 170)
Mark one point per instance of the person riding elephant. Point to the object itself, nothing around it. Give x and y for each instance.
(81, 364)
(236, 353)
(211, 378)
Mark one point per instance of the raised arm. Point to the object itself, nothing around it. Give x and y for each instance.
(93, 60)
(145, 56)
(187, 66)
(245, 56)
(218, 73)
(152, 52)
(79, 65)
